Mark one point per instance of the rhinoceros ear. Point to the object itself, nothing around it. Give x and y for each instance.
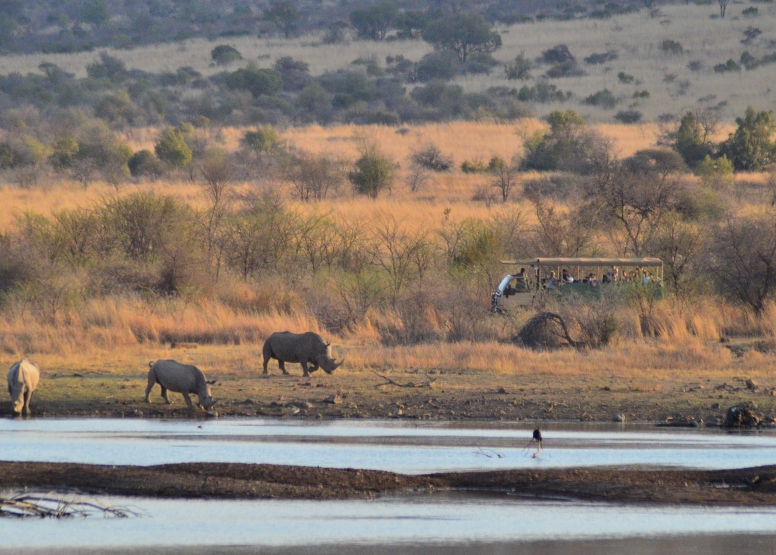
(212, 382)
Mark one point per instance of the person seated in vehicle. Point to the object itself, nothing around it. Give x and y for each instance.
(552, 282)
(567, 277)
(592, 279)
(645, 279)
(606, 278)
(612, 274)
(521, 281)
(625, 277)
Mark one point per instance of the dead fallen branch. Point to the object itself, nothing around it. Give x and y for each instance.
(54, 506)
(389, 381)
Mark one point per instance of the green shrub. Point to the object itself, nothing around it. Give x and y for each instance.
(543, 92)
(730, 65)
(671, 47)
(172, 148)
(602, 58)
(625, 78)
(224, 55)
(628, 116)
(717, 174)
(143, 163)
(474, 166)
(519, 69)
(373, 172)
(603, 99)
(641, 94)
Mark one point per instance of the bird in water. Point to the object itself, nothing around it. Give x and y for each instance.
(537, 436)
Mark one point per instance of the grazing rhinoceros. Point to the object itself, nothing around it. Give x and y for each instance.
(23, 379)
(303, 348)
(180, 378)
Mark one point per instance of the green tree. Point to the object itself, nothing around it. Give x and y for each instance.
(375, 22)
(262, 141)
(372, 173)
(172, 148)
(257, 81)
(751, 147)
(64, 153)
(284, 15)
(95, 12)
(223, 54)
(693, 138)
(463, 34)
(568, 146)
(717, 174)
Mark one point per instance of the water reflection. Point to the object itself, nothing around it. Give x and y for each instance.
(384, 445)
(404, 522)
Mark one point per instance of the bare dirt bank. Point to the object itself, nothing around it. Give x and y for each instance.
(751, 486)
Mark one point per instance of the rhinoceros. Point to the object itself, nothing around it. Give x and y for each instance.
(303, 348)
(180, 378)
(23, 379)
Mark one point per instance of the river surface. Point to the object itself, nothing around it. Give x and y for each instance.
(409, 524)
(397, 446)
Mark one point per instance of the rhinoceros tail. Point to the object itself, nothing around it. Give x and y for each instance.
(150, 364)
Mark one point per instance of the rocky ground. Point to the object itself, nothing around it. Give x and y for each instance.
(755, 486)
(438, 395)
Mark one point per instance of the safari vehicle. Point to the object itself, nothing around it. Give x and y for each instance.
(540, 278)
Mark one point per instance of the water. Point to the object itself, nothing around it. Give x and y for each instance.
(405, 523)
(396, 446)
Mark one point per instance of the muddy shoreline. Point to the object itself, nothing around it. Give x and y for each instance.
(741, 487)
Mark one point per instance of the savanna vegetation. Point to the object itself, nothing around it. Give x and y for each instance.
(264, 188)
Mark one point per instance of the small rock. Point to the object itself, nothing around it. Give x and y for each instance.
(333, 400)
(291, 410)
(212, 414)
(502, 390)
(752, 385)
(715, 405)
(397, 413)
(249, 402)
(606, 388)
(619, 418)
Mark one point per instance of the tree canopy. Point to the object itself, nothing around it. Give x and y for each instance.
(463, 34)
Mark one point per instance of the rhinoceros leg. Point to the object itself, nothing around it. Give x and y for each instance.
(150, 386)
(188, 401)
(282, 365)
(304, 367)
(165, 397)
(27, 399)
(314, 367)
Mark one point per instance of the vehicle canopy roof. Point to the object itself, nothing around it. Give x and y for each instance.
(586, 262)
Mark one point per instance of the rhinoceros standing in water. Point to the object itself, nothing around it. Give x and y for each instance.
(180, 378)
(303, 348)
(23, 379)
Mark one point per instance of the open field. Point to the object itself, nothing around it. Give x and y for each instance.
(636, 38)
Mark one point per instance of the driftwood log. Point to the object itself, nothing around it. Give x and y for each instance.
(546, 330)
(389, 381)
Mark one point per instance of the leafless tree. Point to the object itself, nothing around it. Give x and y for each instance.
(723, 4)
(742, 251)
(313, 177)
(563, 234)
(636, 194)
(505, 175)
